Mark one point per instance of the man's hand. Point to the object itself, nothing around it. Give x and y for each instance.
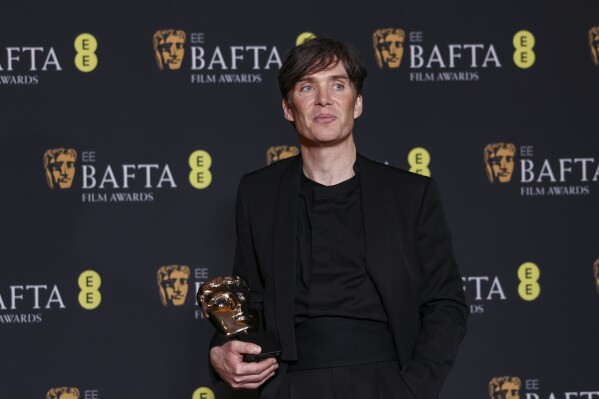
(228, 362)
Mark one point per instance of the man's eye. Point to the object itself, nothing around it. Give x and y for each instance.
(306, 88)
(339, 86)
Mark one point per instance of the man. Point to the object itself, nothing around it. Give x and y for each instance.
(352, 259)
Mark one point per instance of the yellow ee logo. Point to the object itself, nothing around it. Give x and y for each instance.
(524, 56)
(89, 296)
(203, 393)
(302, 37)
(529, 289)
(200, 176)
(86, 59)
(419, 159)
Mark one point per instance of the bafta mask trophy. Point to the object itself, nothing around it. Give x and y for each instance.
(228, 303)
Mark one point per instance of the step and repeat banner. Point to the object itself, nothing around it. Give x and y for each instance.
(125, 130)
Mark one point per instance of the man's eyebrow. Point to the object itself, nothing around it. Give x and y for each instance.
(339, 77)
(309, 78)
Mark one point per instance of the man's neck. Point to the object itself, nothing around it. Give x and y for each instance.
(329, 165)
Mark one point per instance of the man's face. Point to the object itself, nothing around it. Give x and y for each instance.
(175, 287)
(502, 164)
(172, 51)
(323, 106)
(62, 169)
(391, 49)
(507, 390)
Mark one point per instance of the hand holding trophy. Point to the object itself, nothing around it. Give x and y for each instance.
(227, 302)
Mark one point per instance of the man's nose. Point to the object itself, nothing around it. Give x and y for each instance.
(172, 51)
(324, 97)
(63, 170)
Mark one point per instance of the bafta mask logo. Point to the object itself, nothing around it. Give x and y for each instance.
(594, 44)
(169, 48)
(274, 154)
(59, 164)
(63, 393)
(499, 161)
(504, 388)
(173, 284)
(596, 274)
(388, 47)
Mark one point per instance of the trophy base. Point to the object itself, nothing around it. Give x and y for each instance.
(266, 340)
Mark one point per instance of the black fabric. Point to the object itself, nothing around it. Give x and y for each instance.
(382, 380)
(336, 341)
(408, 257)
(331, 273)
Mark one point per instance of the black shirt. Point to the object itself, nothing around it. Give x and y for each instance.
(331, 275)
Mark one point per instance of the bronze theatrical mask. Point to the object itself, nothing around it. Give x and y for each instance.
(226, 303)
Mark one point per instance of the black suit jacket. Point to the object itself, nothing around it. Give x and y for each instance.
(408, 257)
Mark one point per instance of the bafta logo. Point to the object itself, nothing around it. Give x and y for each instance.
(173, 284)
(594, 44)
(169, 48)
(504, 388)
(499, 161)
(388, 47)
(59, 164)
(63, 393)
(596, 274)
(274, 154)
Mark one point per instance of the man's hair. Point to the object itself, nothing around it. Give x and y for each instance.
(320, 54)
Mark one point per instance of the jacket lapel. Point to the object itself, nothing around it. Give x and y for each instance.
(285, 256)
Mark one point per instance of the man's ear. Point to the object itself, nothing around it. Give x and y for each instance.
(358, 106)
(287, 111)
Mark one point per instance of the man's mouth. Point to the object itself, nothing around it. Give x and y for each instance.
(325, 118)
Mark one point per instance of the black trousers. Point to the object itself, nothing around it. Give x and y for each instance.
(380, 380)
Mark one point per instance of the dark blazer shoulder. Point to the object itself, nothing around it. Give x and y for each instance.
(391, 177)
(269, 175)
(261, 186)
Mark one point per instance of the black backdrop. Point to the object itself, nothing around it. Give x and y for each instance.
(126, 111)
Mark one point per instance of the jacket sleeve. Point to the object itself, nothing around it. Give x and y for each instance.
(244, 265)
(443, 311)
